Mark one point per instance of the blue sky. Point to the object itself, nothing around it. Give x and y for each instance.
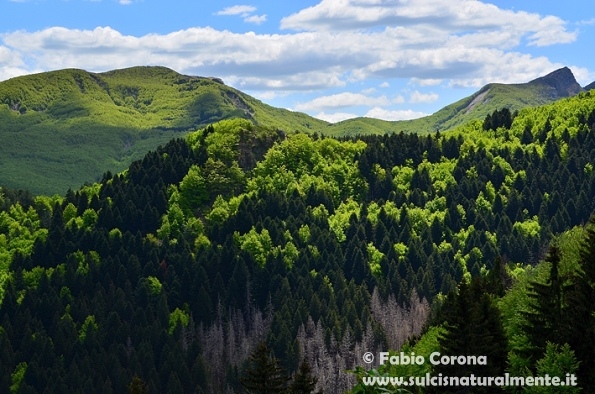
(334, 59)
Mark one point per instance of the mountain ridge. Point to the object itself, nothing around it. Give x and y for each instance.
(558, 84)
(67, 127)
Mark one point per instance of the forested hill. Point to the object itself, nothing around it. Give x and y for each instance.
(166, 277)
(62, 129)
(65, 128)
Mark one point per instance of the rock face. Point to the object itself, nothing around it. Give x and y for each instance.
(561, 81)
(590, 86)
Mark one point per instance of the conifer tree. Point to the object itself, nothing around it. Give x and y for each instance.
(304, 382)
(474, 328)
(138, 386)
(263, 374)
(545, 321)
(581, 312)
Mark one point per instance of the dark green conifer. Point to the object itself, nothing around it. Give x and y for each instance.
(474, 328)
(304, 382)
(263, 374)
(580, 326)
(544, 321)
(137, 386)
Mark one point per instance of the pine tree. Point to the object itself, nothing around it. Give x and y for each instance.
(581, 312)
(498, 280)
(138, 386)
(545, 321)
(304, 382)
(263, 374)
(474, 328)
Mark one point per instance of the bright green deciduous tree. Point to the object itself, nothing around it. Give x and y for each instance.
(193, 190)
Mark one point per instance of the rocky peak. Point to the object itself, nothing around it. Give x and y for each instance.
(562, 81)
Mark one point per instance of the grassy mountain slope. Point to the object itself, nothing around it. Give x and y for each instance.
(64, 128)
(544, 90)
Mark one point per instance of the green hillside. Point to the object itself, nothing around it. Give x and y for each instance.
(64, 128)
(242, 252)
(544, 90)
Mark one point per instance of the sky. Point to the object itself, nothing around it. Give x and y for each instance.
(332, 59)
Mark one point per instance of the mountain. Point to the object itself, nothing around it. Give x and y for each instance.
(554, 86)
(63, 128)
(590, 86)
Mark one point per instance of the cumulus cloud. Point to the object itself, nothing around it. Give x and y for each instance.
(256, 19)
(426, 82)
(418, 97)
(342, 100)
(586, 22)
(335, 117)
(391, 115)
(452, 17)
(243, 10)
(11, 64)
(460, 43)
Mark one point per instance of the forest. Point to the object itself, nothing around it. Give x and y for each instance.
(243, 258)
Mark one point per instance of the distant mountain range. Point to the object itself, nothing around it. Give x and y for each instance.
(554, 86)
(63, 128)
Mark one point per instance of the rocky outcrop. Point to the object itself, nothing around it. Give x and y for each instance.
(562, 82)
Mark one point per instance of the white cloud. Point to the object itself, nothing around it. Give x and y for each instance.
(335, 117)
(243, 10)
(384, 84)
(391, 115)
(299, 61)
(342, 100)
(11, 64)
(418, 97)
(268, 95)
(256, 19)
(586, 22)
(460, 43)
(426, 81)
(298, 82)
(459, 17)
(398, 100)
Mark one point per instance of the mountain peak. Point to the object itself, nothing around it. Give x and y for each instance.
(562, 81)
